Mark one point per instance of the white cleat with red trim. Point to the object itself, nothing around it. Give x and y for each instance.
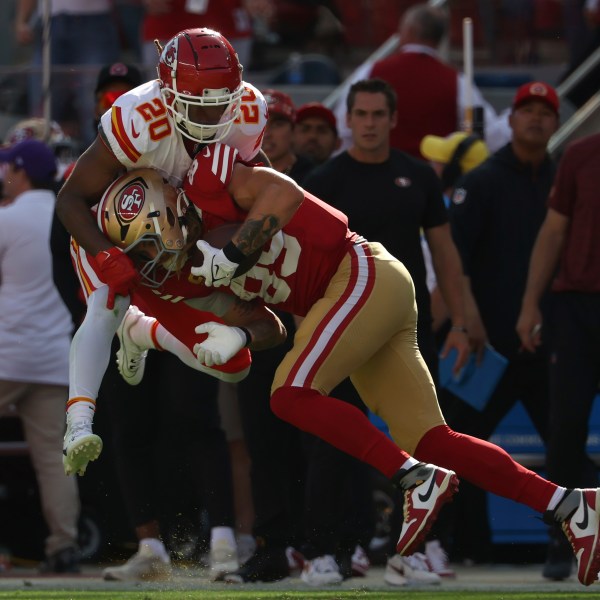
(131, 359)
(81, 445)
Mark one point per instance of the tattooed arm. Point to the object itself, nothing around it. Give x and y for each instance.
(271, 200)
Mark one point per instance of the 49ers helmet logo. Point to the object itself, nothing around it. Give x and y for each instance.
(129, 203)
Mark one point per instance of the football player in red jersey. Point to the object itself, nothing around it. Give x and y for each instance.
(360, 322)
(198, 99)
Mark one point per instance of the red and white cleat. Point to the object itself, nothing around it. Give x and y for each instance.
(426, 489)
(582, 530)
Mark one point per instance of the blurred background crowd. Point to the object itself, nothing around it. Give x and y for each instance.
(63, 63)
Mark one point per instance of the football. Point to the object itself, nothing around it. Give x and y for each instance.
(220, 237)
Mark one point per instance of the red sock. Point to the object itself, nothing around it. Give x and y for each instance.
(340, 424)
(485, 465)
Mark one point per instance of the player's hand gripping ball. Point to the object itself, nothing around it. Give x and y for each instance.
(220, 237)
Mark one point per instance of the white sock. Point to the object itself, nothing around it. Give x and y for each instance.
(141, 335)
(157, 547)
(141, 332)
(556, 498)
(222, 533)
(82, 409)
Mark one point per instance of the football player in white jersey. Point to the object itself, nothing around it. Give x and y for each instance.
(199, 98)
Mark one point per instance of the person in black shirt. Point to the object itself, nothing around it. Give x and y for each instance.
(390, 197)
(495, 215)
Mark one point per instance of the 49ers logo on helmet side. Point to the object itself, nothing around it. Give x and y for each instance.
(129, 203)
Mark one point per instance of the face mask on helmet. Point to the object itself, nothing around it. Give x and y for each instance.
(143, 215)
(201, 84)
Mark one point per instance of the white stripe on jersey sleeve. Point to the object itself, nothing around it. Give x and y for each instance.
(223, 159)
(215, 162)
(225, 167)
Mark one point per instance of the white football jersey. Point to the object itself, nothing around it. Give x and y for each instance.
(141, 132)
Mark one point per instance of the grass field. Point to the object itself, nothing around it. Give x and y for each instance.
(279, 595)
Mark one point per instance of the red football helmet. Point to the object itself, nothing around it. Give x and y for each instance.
(200, 68)
(142, 214)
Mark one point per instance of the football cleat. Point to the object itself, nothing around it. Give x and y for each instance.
(295, 560)
(223, 559)
(322, 570)
(581, 527)
(131, 359)
(426, 489)
(403, 570)
(144, 565)
(81, 445)
(438, 559)
(360, 562)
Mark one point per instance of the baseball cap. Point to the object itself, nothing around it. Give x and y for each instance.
(280, 104)
(118, 72)
(441, 149)
(36, 128)
(318, 111)
(537, 90)
(34, 157)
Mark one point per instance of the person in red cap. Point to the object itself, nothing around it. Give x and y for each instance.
(496, 211)
(279, 134)
(315, 134)
(113, 81)
(536, 90)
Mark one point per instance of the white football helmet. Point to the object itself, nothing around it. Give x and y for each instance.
(144, 215)
(200, 68)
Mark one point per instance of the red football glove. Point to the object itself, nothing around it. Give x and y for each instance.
(118, 272)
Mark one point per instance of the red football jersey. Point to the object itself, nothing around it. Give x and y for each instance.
(296, 265)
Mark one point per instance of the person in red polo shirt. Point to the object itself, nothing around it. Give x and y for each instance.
(432, 94)
(566, 257)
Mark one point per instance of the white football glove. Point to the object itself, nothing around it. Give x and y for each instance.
(222, 344)
(216, 269)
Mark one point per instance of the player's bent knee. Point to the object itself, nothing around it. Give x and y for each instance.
(289, 402)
